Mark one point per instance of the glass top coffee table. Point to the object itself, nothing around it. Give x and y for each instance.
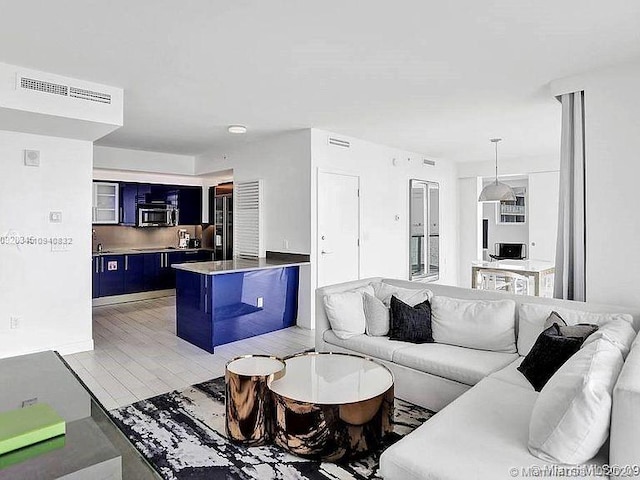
(332, 406)
(93, 446)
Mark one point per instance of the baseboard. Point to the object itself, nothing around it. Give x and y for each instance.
(132, 297)
(78, 347)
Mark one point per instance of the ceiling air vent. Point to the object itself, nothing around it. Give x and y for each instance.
(27, 83)
(426, 161)
(45, 87)
(339, 143)
(90, 95)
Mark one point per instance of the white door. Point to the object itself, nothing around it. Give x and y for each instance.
(338, 228)
(543, 215)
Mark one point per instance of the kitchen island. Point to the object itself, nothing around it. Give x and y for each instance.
(223, 301)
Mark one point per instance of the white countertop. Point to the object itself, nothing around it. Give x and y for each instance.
(235, 265)
(516, 265)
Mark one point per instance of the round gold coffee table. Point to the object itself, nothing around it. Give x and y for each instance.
(249, 403)
(332, 406)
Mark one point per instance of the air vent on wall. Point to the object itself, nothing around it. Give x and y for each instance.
(27, 83)
(426, 161)
(89, 95)
(45, 87)
(339, 143)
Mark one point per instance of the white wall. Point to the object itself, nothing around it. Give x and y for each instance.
(49, 291)
(469, 227)
(612, 148)
(384, 191)
(283, 162)
(142, 161)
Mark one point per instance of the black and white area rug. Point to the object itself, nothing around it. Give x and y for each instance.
(181, 433)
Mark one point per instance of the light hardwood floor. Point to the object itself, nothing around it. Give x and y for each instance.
(137, 354)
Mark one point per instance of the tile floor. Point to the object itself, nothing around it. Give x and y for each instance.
(138, 355)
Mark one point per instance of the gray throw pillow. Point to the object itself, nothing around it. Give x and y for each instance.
(377, 316)
(580, 330)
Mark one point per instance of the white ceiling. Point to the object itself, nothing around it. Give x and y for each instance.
(436, 77)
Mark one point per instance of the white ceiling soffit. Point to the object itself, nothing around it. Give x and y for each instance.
(434, 77)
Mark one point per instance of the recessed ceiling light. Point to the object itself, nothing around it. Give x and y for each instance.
(237, 129)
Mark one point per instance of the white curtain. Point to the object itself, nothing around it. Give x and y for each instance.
(570, 281)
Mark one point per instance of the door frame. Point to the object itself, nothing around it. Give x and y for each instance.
(345, 173)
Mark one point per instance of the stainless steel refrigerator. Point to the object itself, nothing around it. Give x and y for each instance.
(223, 221)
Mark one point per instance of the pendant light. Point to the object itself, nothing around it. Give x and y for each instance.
(496, 191)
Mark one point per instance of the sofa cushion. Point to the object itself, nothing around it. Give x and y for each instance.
(481, 435)
(410, 324)
(480, 324)
(384, 291)
(571, 417)
(548, 354)
(345, 311)
(376, 314)
(532, 318)
(464, 365)
(378, 347)
(511, 374)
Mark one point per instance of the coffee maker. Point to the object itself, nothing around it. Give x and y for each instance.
(183, 238)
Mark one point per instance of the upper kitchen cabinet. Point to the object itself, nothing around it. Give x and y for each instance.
(128, 203)
(190, 205)
(106, 203)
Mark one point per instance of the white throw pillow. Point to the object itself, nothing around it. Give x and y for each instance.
(479, 324)
(410, 296)
(377, 316)
(531, 318)
(345, 312)
(571, 417)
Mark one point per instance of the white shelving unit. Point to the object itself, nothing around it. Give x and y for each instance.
(513, 212)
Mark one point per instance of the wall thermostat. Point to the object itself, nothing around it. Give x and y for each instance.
(32, 158)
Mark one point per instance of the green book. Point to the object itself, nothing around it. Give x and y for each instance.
(32, 451)
(26, 426)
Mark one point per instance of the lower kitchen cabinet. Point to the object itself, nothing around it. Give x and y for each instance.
(135, 277)
(111, 275)
(140, 272)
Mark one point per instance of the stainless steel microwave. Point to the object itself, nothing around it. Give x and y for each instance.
(157, 216)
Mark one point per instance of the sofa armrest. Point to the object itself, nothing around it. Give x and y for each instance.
(322, 322)
(625, 415)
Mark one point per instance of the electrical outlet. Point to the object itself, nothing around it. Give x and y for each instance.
(29, 402)
(14, 322)
(260, 302)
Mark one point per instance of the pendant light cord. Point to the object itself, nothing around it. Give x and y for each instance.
(496, 162)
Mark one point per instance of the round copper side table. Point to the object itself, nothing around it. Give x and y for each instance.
(332, 406)
(249, 403)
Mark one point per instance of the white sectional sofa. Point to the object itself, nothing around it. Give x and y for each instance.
(484, 403)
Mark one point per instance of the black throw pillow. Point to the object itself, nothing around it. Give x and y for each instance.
(551, 350)
(410, 324)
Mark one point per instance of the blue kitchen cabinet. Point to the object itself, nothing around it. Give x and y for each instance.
(159, 268)
(95, 268)
(111, 275)
(190, 205)
(128, 203)
(135, 279)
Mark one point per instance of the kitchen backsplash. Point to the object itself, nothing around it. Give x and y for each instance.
(118, 236)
